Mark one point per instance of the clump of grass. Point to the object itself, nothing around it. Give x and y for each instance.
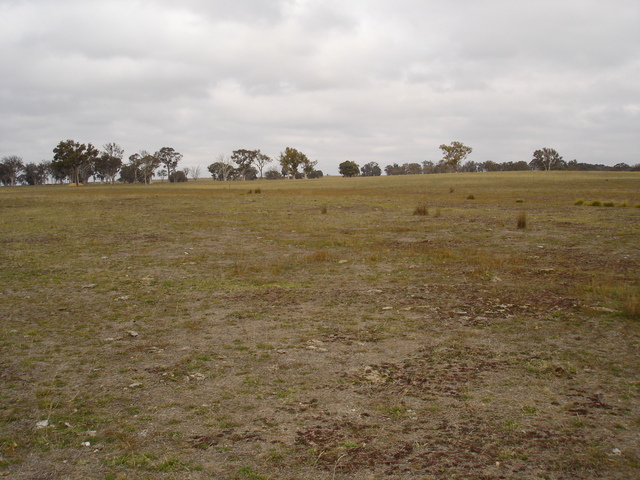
(471, 196)
(623, 204)
(637, 205)
(438, 213)
(451, 189)
(631, 305)
(608, 204)
(522, 221)
(250, 192)
(323, 210)
(519, 200)
(319, 256)
(421, 209)
(257, 190)
(579, 202)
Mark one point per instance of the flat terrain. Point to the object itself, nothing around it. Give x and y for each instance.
(318, 329)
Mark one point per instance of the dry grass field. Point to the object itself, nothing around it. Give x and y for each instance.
(477, 326)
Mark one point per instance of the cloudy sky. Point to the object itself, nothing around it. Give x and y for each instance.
(363, 80)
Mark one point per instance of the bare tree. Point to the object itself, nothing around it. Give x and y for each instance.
(194, 172)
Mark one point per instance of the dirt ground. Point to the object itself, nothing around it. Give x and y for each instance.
(241, 336)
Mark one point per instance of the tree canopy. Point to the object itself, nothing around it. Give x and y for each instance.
(547, 159)
(349, 169)
(70, 156)
(454, 154)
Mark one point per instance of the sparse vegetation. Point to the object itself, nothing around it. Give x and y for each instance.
(421, 209)
(191, 330)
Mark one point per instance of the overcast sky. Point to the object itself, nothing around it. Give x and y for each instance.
(363, 80)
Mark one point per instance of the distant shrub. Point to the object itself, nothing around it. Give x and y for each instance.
(522, 221)
(637, 205)
(471, 196)
(250, 192)
(595, 203)
(178, 177)
(257, 190)
(579, 202)
(421, 209)
(623, 204)
(451, 189)
(323, 210)
(608, 204)
(519, 200)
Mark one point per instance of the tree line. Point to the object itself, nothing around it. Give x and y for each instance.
(455, 153)
(76, 162)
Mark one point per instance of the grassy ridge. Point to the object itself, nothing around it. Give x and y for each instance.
(321, 329)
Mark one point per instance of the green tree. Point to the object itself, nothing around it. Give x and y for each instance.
(290, 160)
(454, 154)
(547, 159)
(35, 174)
(371, 169)
(168, 157)
(245, 159)
(11, 167)
(72, 157)
(109, 163)
(349, 169)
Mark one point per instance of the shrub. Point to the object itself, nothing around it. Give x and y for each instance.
(595, 203)
(421, 209)
(471, 196)
(522, 221)
(519, 200)
(323, 210)
(579, 202)
(257, 190)
(608, 204)
(623, 204)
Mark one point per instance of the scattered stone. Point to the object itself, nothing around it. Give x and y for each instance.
(135, 385)
(42, 424)
(281, 352)
(92, 433)
(86, 444)
(616, 451)
(604, 309)
(343, 261)
(387, 308)
(109, 339)
(198, 377)
(91, 285)
(132, 333)
(124, 297)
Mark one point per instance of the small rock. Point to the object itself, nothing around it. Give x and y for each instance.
(91, 285)
(135, 385)
(86, 444)
(616, 451)
(281, 352)
(132, 333)
(343, 261)
(387, 308)
(92, 433)
(42, 424)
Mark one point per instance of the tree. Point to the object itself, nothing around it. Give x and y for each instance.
(371, 169)
(110, 162)
(35, 174)
(454, 154)
(349, 169)
(273, 174)
(70, 157)
(179, 176)
(290, 160)
(222, 169)
(261, 160)
(148, 165)
(168, 157)
(195, 172)
(308, 167)
(547, 159)
(11, 168)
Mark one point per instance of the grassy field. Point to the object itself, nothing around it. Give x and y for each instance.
(479, 326)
